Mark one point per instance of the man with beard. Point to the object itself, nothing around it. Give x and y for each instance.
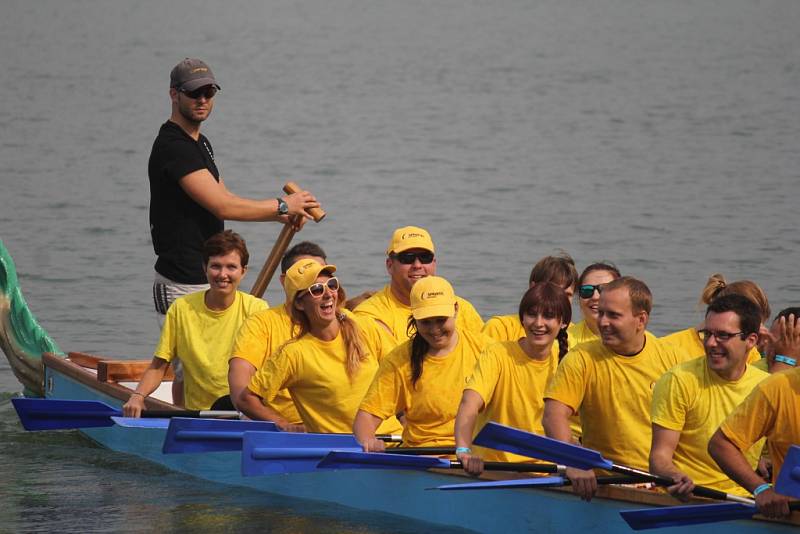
(188, 199)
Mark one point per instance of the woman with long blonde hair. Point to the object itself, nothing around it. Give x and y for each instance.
(328, 366)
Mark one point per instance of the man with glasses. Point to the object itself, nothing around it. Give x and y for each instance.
(409, 258)
(188, 199)
(693, 398)
(609, 382)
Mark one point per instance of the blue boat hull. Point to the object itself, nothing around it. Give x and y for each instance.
(395, 492)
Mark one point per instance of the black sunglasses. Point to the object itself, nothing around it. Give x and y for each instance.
(587, 291)
(318, 289)
(209, 91)
(407, 258)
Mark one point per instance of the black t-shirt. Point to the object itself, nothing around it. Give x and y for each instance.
(178, 225)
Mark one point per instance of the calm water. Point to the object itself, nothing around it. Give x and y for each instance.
(659, 135)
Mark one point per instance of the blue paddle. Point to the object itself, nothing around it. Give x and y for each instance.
(215, 435)
(540, 482)
(57, 414)
(209, 435)
(788, 482)
(696, 514)
(345, 459)
(505, 438)
(267, 453)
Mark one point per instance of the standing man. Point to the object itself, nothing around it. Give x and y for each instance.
(693, 398)
(188, 199)
(409, 258)
(609, 382)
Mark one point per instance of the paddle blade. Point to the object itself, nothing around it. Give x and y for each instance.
(186, 435)
(673, 516)
(788, 482)
(540, 482)
(56, 414)
(138, 422)
(269, 453)
(506, 438)
(375, 460)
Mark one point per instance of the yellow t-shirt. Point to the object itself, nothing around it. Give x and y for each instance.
(314, 372)
(431, 405)
(512, 387)
(258, 338)
(509, 328)
(689, 340)
(692, 399)
(202, 339)
(762, 364)
(580, 333)
(772, 410)
(384, 307)
(613, 394)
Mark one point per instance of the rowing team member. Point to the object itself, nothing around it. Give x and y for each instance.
(199, 328)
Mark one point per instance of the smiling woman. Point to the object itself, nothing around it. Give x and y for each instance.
(200, 327)
(328, 366)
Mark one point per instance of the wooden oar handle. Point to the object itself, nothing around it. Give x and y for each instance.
(317, 213)
(281, 245)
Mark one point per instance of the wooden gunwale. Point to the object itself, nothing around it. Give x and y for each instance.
(77, 371)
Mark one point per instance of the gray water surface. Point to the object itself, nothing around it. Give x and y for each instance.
(659, 135)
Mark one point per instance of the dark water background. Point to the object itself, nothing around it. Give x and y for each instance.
(662, 136)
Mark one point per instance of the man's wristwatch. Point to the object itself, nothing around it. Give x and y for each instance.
(283, 207)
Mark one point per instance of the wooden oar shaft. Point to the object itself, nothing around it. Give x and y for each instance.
(281, 245)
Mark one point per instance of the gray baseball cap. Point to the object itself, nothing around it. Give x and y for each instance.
(191, 74)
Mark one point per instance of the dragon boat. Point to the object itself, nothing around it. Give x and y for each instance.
(45, 371)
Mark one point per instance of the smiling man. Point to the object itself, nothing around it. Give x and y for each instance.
(692, 399)
(409, 258)
(610, 381)
(200, 328)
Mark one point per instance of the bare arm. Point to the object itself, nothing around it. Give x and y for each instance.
(556, 426)
(364, 428)
(150, 381)
(732, 461)
(240, 372)
(471, 404)
(201, 186)
(252, 406)
(662, 452)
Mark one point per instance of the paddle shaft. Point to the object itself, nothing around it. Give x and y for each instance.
(216, 414)
(700, 491)
(281, 245)
(514, 466)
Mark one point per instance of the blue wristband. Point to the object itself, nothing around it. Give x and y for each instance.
(463, 449)
(762, 488)
(785, 359)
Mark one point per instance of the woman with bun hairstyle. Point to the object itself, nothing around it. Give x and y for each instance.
(509, 380)
(689, 340)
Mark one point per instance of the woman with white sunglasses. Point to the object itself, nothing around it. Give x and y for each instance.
(328, 366)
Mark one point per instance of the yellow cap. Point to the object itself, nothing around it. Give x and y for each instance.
(432, 296)
(301, 275)
(409, 237)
